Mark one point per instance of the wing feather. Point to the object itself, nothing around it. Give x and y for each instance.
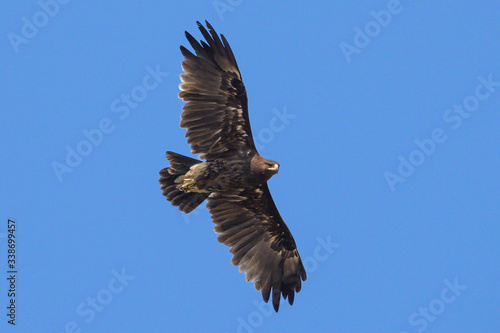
(216, 112)
(261, 243)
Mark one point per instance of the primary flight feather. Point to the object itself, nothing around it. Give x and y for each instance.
(233, 178)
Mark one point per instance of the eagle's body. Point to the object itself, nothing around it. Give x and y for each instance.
(227, 174)
(233, 177)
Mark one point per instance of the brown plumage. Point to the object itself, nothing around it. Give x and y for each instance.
(234, 176)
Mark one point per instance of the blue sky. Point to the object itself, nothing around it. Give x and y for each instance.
(383, 116)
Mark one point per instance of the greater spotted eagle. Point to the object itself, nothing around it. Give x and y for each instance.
(233, 178)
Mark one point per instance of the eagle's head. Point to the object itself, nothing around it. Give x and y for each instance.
(263, 167)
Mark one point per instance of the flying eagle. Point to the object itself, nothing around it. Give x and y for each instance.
(233, 178)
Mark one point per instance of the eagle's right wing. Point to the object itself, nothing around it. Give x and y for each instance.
(262, 246)
(216, 112)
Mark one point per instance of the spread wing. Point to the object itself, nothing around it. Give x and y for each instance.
(249, 222)
(216, 112)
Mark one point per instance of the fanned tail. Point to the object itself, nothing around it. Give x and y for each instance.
(179, 165)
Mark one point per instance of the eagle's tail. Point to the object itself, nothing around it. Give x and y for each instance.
(179, 165)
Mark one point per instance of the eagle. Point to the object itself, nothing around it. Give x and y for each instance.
(232, 175)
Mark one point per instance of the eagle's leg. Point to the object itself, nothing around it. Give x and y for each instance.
(214, 188)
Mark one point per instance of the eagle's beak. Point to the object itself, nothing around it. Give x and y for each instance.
(275, 167)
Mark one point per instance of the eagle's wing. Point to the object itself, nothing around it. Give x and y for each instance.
(249, 222)
(216, 112)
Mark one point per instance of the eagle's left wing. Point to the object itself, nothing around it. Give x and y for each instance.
(216, 112)
(262, 246)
